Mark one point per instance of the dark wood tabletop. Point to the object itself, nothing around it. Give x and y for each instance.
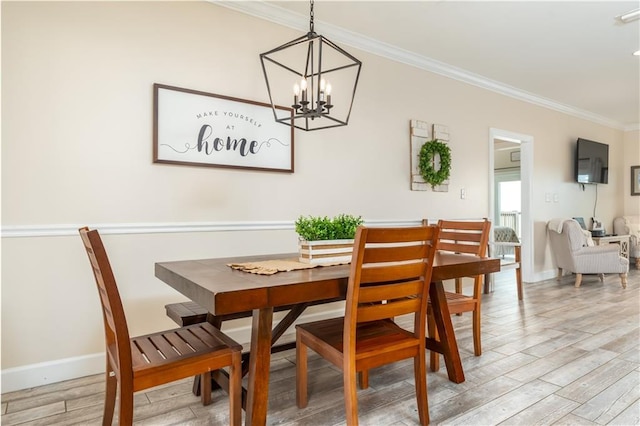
(223, 291)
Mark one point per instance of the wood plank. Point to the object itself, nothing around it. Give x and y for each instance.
(605, 406)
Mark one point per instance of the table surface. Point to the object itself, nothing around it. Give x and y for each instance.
(223, 290)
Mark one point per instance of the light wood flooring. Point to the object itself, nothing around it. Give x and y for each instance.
(563, 356)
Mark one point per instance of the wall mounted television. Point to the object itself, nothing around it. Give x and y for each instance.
(592, 162)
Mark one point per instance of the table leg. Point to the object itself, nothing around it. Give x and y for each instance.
(447, 336)
(488, 283)
(259, 362)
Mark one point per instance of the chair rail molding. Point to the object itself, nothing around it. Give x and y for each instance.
(65, 230)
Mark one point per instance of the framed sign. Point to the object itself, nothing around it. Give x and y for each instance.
(204, 129)
(635, 180)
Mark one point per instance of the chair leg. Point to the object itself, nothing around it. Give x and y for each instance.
(126, 403)
(432, 331)
(196, 385)
(420, 372)
(578, 280)
(477, 315)
(363, 379)
(235, 390)
(301, 373)
(519, 282)
(477, 320)
(350, 395)
(623, 280)
(559, 277)
(205, 388)
(459, 291)
(110, 396)
(458, 285)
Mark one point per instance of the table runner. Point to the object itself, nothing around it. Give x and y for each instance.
(270, 267)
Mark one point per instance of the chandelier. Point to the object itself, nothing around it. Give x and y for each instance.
(313, 75)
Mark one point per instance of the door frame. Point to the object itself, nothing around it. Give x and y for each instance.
(526, 191)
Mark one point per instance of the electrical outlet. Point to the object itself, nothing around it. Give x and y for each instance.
(547, 197)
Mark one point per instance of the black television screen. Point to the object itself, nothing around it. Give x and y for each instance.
(592, 162)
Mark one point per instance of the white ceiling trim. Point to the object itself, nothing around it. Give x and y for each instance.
(278, 15)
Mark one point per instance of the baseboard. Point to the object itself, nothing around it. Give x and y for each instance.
(545, 275)
(44, 373)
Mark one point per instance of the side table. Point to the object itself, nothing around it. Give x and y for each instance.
(622, 240)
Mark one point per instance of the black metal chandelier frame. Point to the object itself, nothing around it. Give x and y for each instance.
(316, 102)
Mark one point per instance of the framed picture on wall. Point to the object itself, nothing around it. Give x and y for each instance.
(635, 180)
(204, 129)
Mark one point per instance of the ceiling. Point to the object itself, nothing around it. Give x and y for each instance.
(572, 56)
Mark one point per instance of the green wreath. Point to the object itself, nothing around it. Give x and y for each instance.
(426, 164)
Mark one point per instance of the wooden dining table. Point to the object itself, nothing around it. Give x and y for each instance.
(228, 293)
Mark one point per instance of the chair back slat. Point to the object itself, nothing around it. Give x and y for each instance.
(390, 275)
(467, 237)
(397, 253)
(388, 310)
(115, 324)
(472, 237)
(376, 293)
(386, 273)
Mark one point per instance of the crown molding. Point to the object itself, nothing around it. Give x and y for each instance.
(281, 16)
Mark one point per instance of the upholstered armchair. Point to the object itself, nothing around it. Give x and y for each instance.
(570, 246)
(630, 225)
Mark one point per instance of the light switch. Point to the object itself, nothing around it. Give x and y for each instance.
(547, 197)
(463, 194)
(556, 197)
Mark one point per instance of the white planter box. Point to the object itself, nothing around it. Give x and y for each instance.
(325, 252)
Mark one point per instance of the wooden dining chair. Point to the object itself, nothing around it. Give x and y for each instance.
(146, 361)
(390, 276)
(465, 237)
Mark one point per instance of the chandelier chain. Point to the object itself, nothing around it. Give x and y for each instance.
(311, 17)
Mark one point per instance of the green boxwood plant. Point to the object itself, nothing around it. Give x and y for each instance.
(315, 228)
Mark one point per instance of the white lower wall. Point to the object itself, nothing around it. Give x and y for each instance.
(44, 373)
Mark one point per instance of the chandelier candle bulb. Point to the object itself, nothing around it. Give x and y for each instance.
(296, 93)
(303, 87)
(323, 85)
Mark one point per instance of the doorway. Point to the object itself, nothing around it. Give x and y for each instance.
(519, 148)
(507, 186)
